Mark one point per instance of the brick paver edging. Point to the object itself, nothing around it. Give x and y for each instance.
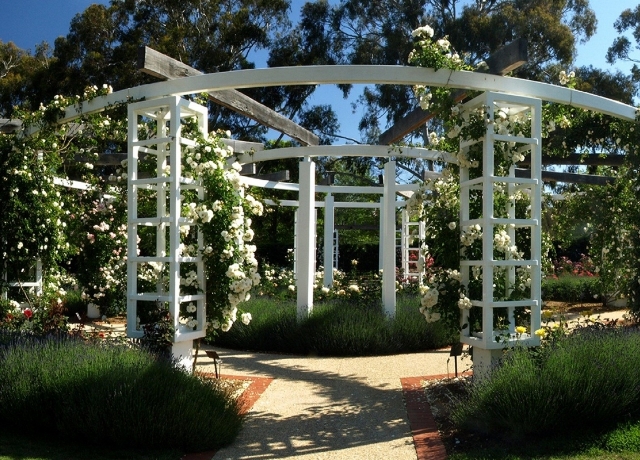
(247, 399)
(426, 438)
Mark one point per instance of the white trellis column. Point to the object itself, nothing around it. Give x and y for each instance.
(381, 236)
(305, 239)
(388, 243)
(329, 215)
(479, 188)
(408, 247)
(162, 151)
(37, 284)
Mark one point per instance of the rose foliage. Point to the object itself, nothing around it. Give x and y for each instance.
(64, 207)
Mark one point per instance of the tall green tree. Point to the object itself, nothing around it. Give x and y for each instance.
(20, 73)
(622, 48)
(211, 36)
(379, 32)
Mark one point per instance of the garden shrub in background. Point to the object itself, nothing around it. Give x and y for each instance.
(335, 328)
(569, 288)
(44, 315)
(586, 380)
(109, 394)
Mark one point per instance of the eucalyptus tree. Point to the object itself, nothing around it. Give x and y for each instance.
(212, 36)
(379, 32)
(20, 72)
(622, 47)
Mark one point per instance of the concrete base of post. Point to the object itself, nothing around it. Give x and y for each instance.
(182, 352)
(484, 360)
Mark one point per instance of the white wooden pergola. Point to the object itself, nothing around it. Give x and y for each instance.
(497, 90)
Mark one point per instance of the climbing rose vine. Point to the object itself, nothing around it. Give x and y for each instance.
(80, 234)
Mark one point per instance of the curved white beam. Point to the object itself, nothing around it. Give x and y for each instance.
(349, 150)
(356, 74)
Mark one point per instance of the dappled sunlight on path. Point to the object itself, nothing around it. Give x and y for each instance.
(327, 408)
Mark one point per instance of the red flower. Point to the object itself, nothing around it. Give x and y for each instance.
(28, 313)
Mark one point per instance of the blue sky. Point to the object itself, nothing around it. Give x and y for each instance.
(29, 22)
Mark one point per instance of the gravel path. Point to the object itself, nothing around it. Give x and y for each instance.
(327, 408)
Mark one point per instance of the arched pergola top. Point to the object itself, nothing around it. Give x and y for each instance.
(356, 74)
(350, 150)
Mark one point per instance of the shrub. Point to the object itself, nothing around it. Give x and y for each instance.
(625, 438)
(335, 328)
(571, 289)
(106, 393)
(589, 380)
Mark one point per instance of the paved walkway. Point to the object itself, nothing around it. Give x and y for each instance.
(335, 408)
(327, 408)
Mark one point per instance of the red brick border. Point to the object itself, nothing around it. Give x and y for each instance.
(247, 399)
(253, 392)
(426, 438)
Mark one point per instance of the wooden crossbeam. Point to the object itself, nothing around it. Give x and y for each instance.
(161, 66)
(571, 178)
(576, 159)
(8, 125)
(357, 227)
(114, 159)
(278, 176)
(501, 62)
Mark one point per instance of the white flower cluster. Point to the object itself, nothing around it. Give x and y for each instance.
(464, 303)
(190, 321)
(102, 227)
(191, 280)
(566, 78)
(429, 296)
(454, 275)
(470, 234)
(464, 162)
(523, 274)
(502, 243)
(428, 300)
(424, 96)
(434, 139)
(198, 168)
(89, 92)
(198, 213)
(255, 206)
(424, 31)
(245, 318)
(415, 203)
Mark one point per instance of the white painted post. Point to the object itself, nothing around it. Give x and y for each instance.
(389, 240)
(405, 233)
(167, 114)
(295, 239)
(305, 238)
(381, 236)
(39, 278)
(486, 349)
(133, 323)
(329, 216)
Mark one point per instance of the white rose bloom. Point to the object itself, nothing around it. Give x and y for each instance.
(246, 318)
